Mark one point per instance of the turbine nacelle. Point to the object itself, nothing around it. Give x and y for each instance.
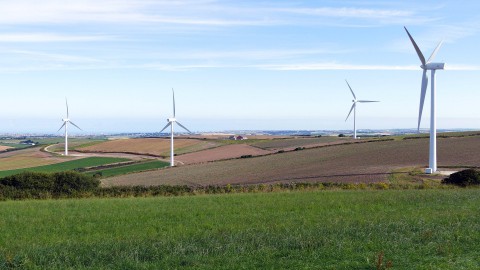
(171, 120)
(66, 120)
(431, 66)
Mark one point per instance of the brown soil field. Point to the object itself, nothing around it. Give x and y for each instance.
(222, 152)
(3, 148)
(360, 162)
(149, 146)
(292, 143)
(30, 157)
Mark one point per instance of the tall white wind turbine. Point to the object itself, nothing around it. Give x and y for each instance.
(66, 121)
(354, 109)
(428, 65)
(171, 121)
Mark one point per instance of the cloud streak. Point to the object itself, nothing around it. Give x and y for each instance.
(49, 37)
(204, 13)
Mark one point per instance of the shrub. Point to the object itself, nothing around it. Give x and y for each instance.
(46, 185)
(29, 180)
(72, 182)
(463, 178)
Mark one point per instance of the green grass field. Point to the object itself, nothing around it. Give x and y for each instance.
(68, 165)
(415, 229)
(138, 167)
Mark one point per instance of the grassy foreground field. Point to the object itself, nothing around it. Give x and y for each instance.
(66, 166)
(415, 229)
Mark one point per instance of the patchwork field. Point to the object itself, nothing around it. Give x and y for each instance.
(359, 162)
(149, 146)
(58, 144)
(66, 165)
(413, 229)
(30, 157)
(222, 152)
(291, 143)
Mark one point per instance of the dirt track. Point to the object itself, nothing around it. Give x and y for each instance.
(366, 162)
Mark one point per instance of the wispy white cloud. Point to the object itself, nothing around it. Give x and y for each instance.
(49, 37)
(273, 54)
(56, 57)
(334, 66)
(201, 13)
(339, 66)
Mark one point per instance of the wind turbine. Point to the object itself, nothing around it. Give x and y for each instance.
(428, 65)
(354, 109)
(171, 121)
(65, 124)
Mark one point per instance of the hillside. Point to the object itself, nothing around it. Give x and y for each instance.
(359, 162)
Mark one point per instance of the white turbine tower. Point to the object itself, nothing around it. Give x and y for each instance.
(354, 109)
(171, 121)
(65, 124)
(428, 65)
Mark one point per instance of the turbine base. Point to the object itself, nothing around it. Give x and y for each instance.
(429, 171)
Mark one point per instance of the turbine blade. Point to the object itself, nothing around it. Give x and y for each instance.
(351, 90)
(164, 127)
(173, 92)
(61, 126)
(435, 52)
(183, 127)
(76, 125)
(422, 97)
(364, 101)
(353, 106)
(420, 54)
(66, 103)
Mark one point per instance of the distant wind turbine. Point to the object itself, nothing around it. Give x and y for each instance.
(65, 124)
(428, 65)
(354, 109)
(171, 121)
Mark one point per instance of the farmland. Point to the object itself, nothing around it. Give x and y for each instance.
(223, 152)
(414, 229)
(30, 157)
(279, 144)
(136, 167)
(359, 162)
(67, 165)
(149, 146)
(58, 144)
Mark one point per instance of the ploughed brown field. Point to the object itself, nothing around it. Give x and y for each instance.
(3, 148)
(307, 142)
(359, 162)
(149, 146)
(222, 152)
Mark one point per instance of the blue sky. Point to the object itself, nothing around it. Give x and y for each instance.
(233, 64)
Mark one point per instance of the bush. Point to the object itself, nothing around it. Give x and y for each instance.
(464, 178)
(46, 185)
(72, 182)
